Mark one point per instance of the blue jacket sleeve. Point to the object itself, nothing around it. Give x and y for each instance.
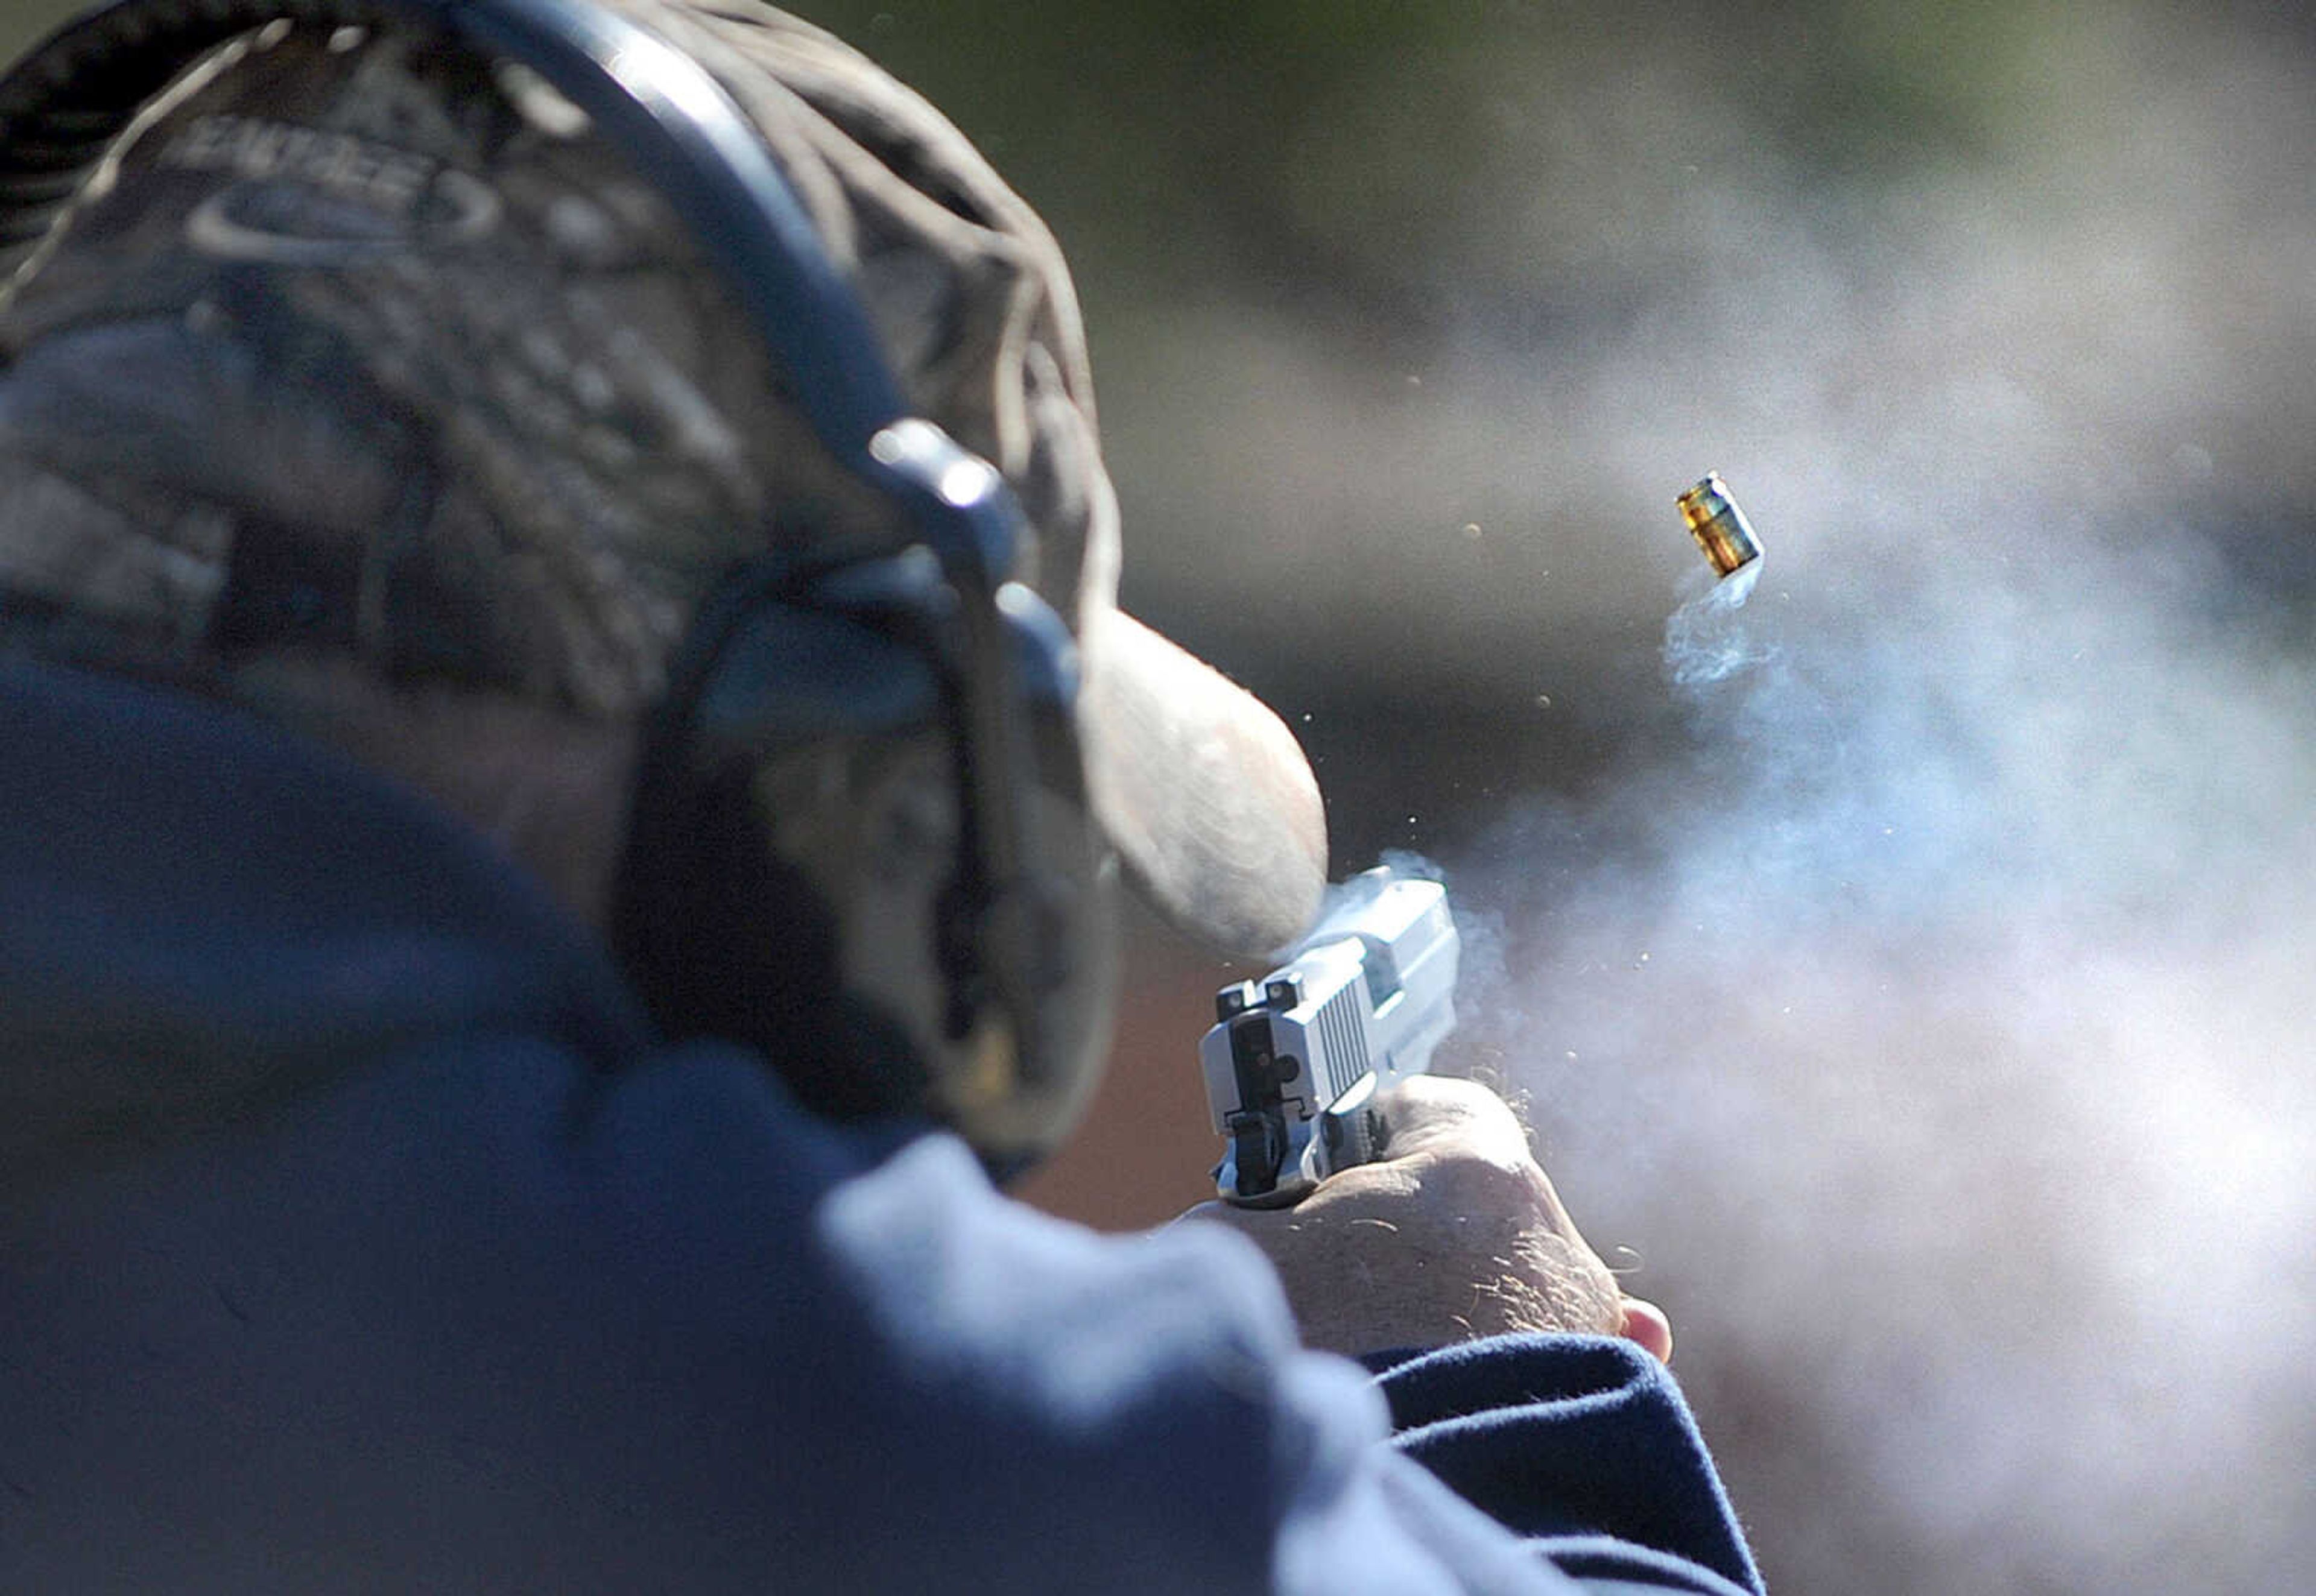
(1159, 1380)
(1581, 1444)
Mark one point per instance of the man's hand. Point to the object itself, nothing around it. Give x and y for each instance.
(1457, 1233)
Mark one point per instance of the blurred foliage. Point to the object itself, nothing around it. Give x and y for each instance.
(23, 21)
(1316, 151)
(1323, 148)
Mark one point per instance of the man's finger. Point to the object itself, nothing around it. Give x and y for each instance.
(1646, 1325)
(1427, 1112)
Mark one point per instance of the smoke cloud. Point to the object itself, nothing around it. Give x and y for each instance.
(1920, 988)
(1928, 1009)
(1922, 993)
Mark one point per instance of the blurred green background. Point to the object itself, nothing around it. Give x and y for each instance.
(1922, 1002)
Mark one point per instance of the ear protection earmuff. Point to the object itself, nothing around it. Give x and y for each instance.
(787, 667)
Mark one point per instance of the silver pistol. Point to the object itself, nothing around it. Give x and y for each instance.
(1295, 1061)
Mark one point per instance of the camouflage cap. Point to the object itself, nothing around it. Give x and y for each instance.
(344, 312)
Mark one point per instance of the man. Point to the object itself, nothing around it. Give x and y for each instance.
(497, 850)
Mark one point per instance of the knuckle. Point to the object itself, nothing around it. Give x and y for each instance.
(1479, 1181)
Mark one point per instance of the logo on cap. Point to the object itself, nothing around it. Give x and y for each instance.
(309, 196)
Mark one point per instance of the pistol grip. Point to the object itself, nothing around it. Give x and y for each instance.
(1353, 1129)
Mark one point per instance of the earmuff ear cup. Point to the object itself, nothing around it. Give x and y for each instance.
(726, 931)
(796, 835)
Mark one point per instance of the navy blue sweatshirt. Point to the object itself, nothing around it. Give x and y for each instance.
(356, 1234)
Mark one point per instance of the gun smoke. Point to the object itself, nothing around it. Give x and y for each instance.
(1925, 999)
(1920, 987)
(1928, 1012)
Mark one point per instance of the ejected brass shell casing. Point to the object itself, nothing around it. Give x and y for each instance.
(1718, 526)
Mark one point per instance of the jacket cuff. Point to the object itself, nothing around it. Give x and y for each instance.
(1567, 1438)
